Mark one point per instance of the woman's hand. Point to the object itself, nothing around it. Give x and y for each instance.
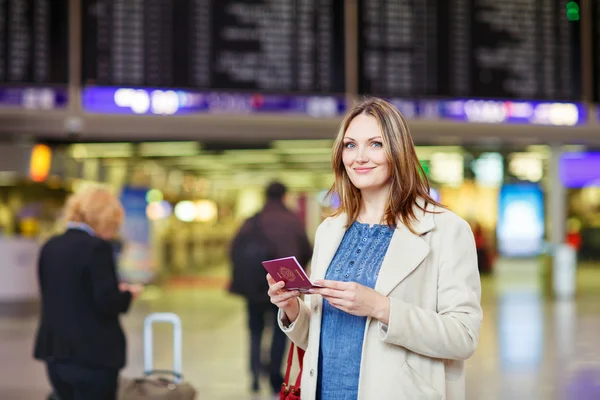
(134, 288)
(355, 299)
(287, 300)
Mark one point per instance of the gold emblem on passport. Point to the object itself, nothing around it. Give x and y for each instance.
(287, 274)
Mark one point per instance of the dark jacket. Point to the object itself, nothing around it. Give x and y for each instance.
(287, 237)
(81, 302)
(285, 230)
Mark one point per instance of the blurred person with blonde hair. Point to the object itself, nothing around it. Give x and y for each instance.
(79, 336)
(398, 311)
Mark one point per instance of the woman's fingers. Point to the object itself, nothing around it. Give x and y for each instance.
(273, 284)
(284, 296)
(278, 296)
(329, 292)
(275, 288)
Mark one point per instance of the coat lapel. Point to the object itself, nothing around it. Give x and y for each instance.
(333, 236)
(405, 252)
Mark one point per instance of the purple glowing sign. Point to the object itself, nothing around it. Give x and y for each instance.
(515, 112)
(33, 98)
(422, 109)
(134, 101)
(149, 101)
(580, 169)
(495, 111)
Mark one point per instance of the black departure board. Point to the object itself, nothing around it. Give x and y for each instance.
(254, 45)
(596, 47)
(34, 41)
(514, 49)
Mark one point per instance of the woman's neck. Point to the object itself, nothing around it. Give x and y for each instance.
(373, 206)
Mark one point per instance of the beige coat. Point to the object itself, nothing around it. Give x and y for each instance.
(433, 284)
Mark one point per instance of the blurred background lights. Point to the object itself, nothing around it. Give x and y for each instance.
(485, 111)
(154, 195)
(40, 162)
(164, 102)
(158, 210)
(137, 100)
(206, 210)
(526, 166)
(185, 211)
(123, 97)
(488, 169)
(573, 11)
(447, 168)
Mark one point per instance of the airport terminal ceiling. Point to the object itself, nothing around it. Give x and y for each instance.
(250, 129)
(305, 164)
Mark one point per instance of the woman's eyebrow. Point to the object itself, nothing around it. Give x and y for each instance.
(373, 138)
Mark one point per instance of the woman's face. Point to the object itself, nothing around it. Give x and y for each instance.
(363, 154)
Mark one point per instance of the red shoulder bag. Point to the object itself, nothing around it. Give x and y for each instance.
(292, 392)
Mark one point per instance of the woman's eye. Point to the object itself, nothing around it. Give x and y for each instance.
(377, 144)
(349, 145)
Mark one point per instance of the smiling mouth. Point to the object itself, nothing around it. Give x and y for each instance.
(363, 170)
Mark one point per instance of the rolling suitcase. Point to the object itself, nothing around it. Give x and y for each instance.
(154, 385)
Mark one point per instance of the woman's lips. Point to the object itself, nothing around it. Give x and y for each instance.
(363, 170)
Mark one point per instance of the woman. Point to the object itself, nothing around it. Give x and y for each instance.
(80, 337)
(399, 308)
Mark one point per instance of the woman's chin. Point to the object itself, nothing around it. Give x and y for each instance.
(365, 186)
(368, 186)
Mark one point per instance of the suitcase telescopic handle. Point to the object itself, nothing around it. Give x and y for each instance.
(174, 320)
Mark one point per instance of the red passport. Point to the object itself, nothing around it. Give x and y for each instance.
(288, 269)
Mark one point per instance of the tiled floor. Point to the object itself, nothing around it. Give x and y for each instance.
(530, 347)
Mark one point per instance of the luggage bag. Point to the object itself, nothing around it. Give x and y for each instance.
(153, 385)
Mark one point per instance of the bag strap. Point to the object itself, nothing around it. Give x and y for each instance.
(301, 361)
(290, 361)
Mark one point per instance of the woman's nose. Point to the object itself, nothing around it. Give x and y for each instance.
(361, 155)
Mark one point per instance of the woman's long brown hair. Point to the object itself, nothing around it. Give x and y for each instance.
(408, 181)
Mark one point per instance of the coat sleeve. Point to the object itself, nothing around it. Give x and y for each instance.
(108, 299)
(298, 330)
(452, 332)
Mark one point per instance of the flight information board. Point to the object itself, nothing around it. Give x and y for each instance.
(255, 45)
(515, 49)
(34, 41)
(596, 48)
